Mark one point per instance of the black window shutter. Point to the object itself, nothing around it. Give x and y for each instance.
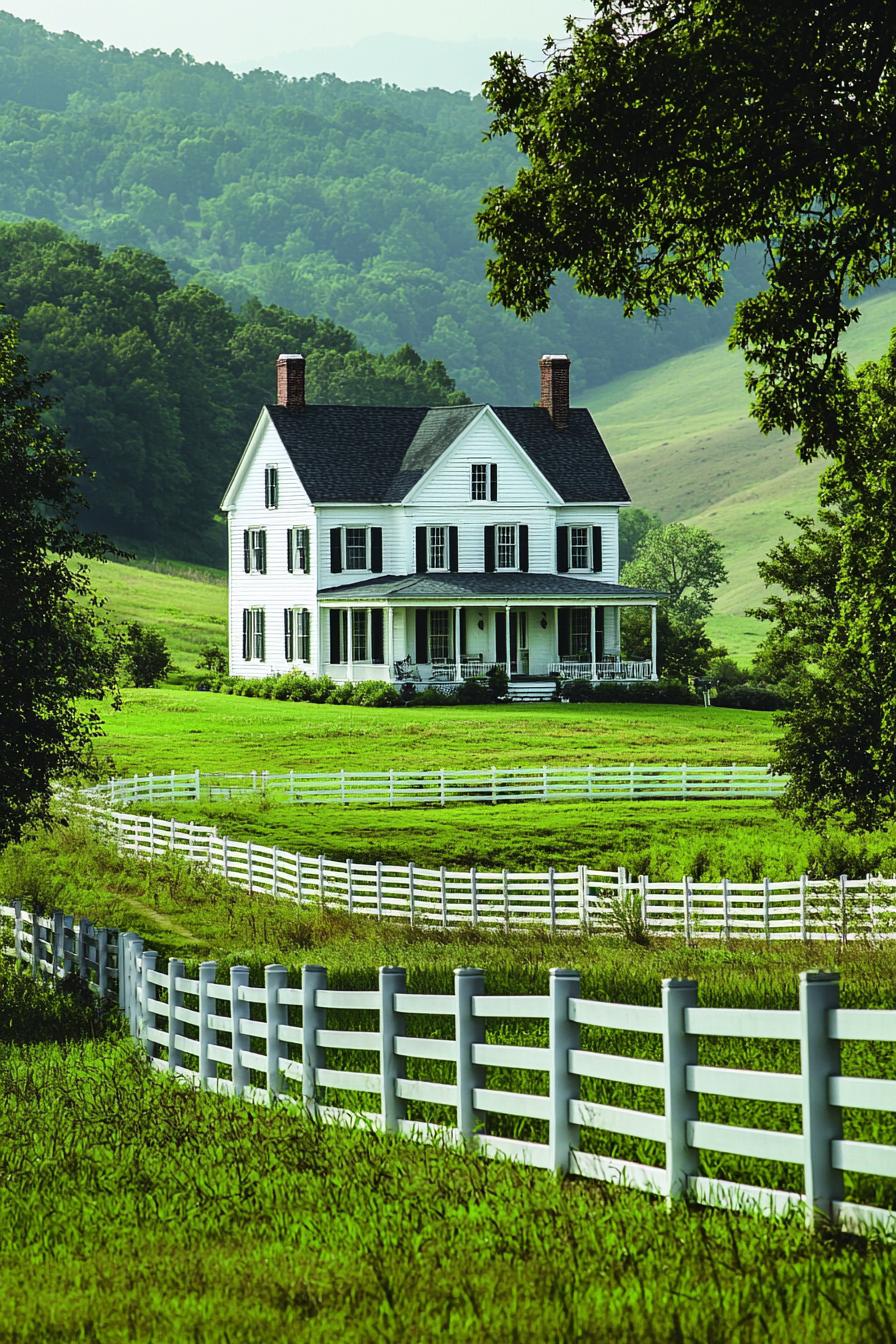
(376, 550)
(376, 635)
(563, 631)
(335, 630)
(290, 537)
(500, 637)
(422, 635)
(493, 480)
(287, 633)
(489, 550)
(453, 563)
(260, 619)
(422, 558)
(599, 631)
(524, 546)
(263, 539)
(336, 554)
(306, 542)
(597, 550)
(247, 634)
(247, 557)
(562, 550)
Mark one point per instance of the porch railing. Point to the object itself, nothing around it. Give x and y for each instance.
(605, 669)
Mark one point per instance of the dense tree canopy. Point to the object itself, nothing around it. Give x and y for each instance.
(353, 201)
(686, 564)
(160, 384)
(665, 132)
(55, 647)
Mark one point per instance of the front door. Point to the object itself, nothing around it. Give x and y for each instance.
(519, 642)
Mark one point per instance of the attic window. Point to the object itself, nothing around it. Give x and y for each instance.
(271, 488)
(484, 480)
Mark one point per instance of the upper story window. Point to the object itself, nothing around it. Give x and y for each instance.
(298, 550)
(579, 548)
(438, 548)
(484, 480)
(356, 548)
(271, 488)
(506, 545)
(255, 550)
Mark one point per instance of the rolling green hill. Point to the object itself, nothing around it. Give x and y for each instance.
(687, 448)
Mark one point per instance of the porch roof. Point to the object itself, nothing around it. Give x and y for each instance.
(413, 589)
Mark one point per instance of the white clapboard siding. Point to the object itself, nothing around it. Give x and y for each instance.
(276, 1042)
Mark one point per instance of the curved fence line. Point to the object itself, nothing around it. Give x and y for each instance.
(586, 899)
(497, 784)
(274, 1042)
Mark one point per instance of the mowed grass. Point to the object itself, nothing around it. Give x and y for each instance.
(172, 729)
(135, 1209)
(188, 606)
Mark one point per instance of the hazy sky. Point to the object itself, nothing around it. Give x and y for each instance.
(241, 35)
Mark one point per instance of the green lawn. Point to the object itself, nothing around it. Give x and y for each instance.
(172, 729)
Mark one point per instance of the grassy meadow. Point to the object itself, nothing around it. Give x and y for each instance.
(194, 1217)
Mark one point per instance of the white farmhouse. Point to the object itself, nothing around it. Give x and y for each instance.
(400, 541)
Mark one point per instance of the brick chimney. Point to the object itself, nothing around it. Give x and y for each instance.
(291, 380)
(555, 388)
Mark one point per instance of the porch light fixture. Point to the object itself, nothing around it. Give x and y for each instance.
(480, 624)
(544, 621)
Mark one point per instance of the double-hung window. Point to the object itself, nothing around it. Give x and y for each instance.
(484, 480)
(439, 633)
(356, 548)
(438, 548)
(361, 635)
(255, 550)
(253, 634)
(297, 634)
(580, 548)
(580, 632)
(298, 550)
(271, 488)
(505, 537)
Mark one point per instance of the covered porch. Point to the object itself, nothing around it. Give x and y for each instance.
(444, 629)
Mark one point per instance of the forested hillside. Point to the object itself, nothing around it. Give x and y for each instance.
(159, 384)
(353, 201)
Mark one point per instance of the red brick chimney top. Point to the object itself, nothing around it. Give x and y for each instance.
(555, 388)
(291, 380)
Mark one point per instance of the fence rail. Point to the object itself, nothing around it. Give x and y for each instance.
(442, 787)
(274, 1042)
(587, 899)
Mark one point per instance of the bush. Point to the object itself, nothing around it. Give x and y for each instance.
(375, 695)
(577, 692)
(212, 658)
(431, 697)
(664, 692)
(474, 692)
(752, 697)
(146, 660)
(498, 682)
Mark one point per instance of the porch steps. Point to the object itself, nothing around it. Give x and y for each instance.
(531, 690)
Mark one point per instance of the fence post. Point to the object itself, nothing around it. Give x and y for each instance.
(686, 897)
(17, 928)
(474, 902)
(84, 930)
(299, 895)
(642, 892)
(342, 787)
(494, 784)
(391, 788)
(122, 959)
(392, 1107)
(583, 898)
(442, 786)
(552, 898)
(68, 937)
(320, 881)
(197, 784)
(313, 1020)
(208, 1069)
(684, 780)
(225, 867)
(443, 892)
(411, 893)
(349, 885)
(35, 943)
(631, 781)
(172, 838)
(250, 867)
(276, 1015)
(563, 1036)
(726, 910)
(822, 1122)
(545, 784)
(56, 947)
(135, 954)
(679, 1054)
(147, 990)
(151, 783)
(274, 873)
(505, 891)
(175, 1001)
(844, 935)
(469, 1030)
(102, 962)
(379, 888)
(766, 911)
(239, 1011)
(292, 786)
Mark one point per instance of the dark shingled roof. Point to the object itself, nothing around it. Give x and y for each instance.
(473, 587)
(376, 454)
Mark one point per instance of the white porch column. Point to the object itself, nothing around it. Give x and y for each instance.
(594, 643)
(556, 632)
(655, 672)
(350, 640)
(390, 640)
(507, 640)
(457, 676)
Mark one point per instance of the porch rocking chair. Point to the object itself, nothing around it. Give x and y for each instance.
(406, 670)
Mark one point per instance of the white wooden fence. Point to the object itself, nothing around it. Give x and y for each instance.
(272, 1042)
(497, 784)
(585, 899)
